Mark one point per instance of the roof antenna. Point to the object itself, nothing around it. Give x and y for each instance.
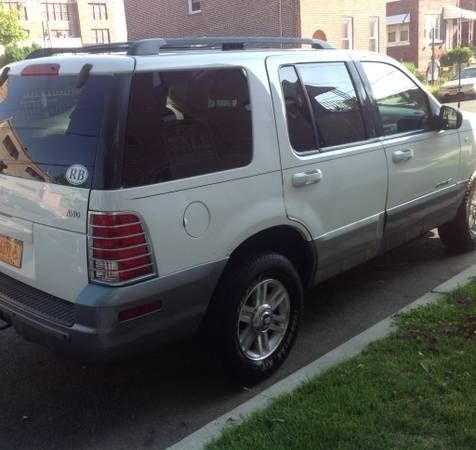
(83, 75)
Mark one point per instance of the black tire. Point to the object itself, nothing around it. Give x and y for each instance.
(457, 235)
(239, 288)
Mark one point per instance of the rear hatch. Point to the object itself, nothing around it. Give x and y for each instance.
(53, 113)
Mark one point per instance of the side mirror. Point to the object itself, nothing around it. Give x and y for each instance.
(449, 118)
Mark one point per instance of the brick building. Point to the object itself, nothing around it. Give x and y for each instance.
(410, 24)
(344, 23)
(71, 23)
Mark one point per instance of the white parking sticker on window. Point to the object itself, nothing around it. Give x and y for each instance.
(77, 174)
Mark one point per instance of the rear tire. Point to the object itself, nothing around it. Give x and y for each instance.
(460, 234)
(255, 316)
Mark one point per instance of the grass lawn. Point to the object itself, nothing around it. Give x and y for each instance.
(413, 390)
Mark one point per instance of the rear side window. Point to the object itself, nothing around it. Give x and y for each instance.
(334, 103)
(301, 129)
(322, 107)
(48, 124)
(403, 106)
(187, 123)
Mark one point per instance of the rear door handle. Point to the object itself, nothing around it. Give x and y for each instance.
(306, 178)
(402, 155)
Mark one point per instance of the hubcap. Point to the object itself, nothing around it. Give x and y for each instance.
(472, 214)
(263, 319)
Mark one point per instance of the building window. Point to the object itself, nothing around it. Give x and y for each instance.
(374, 44)
(347, 33)
(98, 11)
(56, 11)
(101, 36)
(194, 6)
(60, 34)
(398, 34)
(9, 6)
(432, 25)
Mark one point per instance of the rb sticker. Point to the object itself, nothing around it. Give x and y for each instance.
(77, 174)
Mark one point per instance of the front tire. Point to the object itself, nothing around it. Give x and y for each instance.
(255, 316)
(460, 233)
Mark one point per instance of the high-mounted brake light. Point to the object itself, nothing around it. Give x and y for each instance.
(119, 249)
(38, 70)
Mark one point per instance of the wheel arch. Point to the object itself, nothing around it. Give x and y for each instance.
(286, 240)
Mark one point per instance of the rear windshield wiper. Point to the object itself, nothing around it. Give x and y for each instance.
(83, 75)
(4, 76)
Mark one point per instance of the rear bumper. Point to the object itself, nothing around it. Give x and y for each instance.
(93, 332)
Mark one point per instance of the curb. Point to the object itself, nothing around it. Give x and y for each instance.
(198, 439)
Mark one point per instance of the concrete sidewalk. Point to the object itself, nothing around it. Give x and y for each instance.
(349, 349)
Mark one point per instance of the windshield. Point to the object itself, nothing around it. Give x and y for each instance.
(48, 124)
(467, 73)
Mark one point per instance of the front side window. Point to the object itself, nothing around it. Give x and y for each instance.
(403, 106)
(334, 103)
(187, 123)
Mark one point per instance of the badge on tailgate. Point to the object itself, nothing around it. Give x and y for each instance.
(11, 251)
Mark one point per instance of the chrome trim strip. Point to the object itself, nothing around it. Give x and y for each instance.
(115, 226)
(124, 270)
(350, 226)
(122, 260)
(421, 198)
(145, 244)
(126, 236)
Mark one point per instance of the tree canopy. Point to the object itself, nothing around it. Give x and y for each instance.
(10, 28)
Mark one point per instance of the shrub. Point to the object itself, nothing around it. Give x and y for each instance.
(460, 55)
(14, 52)
(411, 67)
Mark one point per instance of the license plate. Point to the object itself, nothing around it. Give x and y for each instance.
(11, 251)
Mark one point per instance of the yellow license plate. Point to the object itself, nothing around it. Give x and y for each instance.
(11, 251)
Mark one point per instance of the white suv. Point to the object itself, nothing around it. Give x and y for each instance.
(182, 182)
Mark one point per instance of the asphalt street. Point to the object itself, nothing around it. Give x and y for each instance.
(49, 402)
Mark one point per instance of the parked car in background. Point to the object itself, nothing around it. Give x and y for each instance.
(452, 90)
(194, 184)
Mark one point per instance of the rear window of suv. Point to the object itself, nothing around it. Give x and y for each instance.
(48, 124)
(187, 123)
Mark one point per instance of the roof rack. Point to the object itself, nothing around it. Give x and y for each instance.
(145, 47)
(102, 48)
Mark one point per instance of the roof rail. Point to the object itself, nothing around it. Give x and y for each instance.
(146, 47)
(101, 48)
(153, 46)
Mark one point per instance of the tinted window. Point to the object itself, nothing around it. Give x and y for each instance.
(334, 103)
(301, 130)
(187, 123)
(47, 124)
(402, 104)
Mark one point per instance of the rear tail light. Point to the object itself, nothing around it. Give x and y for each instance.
(119, 249)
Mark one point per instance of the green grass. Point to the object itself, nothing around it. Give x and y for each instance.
(413, 390)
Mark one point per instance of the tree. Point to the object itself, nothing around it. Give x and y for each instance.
(10, 28)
